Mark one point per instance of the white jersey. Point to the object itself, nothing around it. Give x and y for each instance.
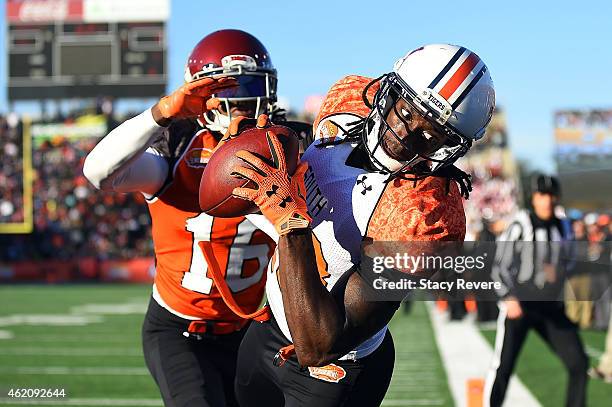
(341, 200)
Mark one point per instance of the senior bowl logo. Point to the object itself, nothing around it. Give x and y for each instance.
(330, 373)
(198, 157)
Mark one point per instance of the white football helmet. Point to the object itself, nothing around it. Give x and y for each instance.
(451, 87)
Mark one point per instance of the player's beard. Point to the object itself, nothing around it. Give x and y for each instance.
(380, 157)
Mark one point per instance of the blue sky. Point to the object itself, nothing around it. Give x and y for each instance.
(543, 55)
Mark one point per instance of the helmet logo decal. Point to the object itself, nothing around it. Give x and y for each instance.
(435, 102)
(245, 61)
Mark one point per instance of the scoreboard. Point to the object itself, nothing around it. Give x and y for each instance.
(88, 48)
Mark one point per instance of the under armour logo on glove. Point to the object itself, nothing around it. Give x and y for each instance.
(272, 191)
(285, 201)
(280, 196)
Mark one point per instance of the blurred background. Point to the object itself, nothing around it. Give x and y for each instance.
(72, 70)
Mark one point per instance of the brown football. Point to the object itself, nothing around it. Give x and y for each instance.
(217, 183)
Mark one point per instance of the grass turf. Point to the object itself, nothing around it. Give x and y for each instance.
(102, 359)
(543, 373)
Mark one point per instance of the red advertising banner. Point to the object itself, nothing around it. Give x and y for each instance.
(40, 11)
(44, 10)
(138, 270)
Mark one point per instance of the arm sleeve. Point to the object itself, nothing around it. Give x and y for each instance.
(123, 162)
(424, 212)
(504, 257)
(419, 218)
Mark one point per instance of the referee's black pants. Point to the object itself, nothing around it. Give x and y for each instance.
(550, 322)
(189, 372)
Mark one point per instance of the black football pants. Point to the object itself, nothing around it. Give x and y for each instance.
(362, 383)
(189, 372)
(548, 319)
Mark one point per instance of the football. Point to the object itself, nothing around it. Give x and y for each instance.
(217, 183)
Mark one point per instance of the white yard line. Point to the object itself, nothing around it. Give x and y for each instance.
(593, 352)
(45, 351)
(467, 355)
(75, 371)
(49, 319)
(106, 337)
(413, 402)
(6, 334)
(138, 308)
(83, 402)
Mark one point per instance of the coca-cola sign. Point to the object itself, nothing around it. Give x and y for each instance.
(44, 10)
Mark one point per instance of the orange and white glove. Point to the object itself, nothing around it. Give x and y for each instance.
(193, 99)
(280, 196)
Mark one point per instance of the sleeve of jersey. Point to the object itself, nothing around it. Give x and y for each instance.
(123, 162)
(421, 212)
(345, 96)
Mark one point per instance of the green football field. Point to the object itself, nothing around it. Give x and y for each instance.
(86, 339)
(543, 373)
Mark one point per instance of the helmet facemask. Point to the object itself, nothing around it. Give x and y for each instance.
(392, 89)
(256, 90)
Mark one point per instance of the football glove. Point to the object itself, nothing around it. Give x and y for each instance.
(280, 196)
(242, 123)
(193, 99)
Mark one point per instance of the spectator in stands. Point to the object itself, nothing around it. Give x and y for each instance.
(578, 288)
(71, 218)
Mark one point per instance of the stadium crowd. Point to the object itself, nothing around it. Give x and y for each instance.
(71, 218)
(74, 220)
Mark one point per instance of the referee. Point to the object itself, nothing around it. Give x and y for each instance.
(530, 262)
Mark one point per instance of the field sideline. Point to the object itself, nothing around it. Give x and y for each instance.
(86, 340)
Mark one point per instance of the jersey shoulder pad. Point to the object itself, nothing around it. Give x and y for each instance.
(172, 142)
(345, 96)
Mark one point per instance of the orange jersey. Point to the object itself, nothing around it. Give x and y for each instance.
(182, 279)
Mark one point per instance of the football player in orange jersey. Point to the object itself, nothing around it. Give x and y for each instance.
(383, 171)
(190, 335)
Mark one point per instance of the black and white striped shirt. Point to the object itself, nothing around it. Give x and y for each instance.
(523, 250)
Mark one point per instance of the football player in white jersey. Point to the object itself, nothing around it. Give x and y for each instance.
(382, 171)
